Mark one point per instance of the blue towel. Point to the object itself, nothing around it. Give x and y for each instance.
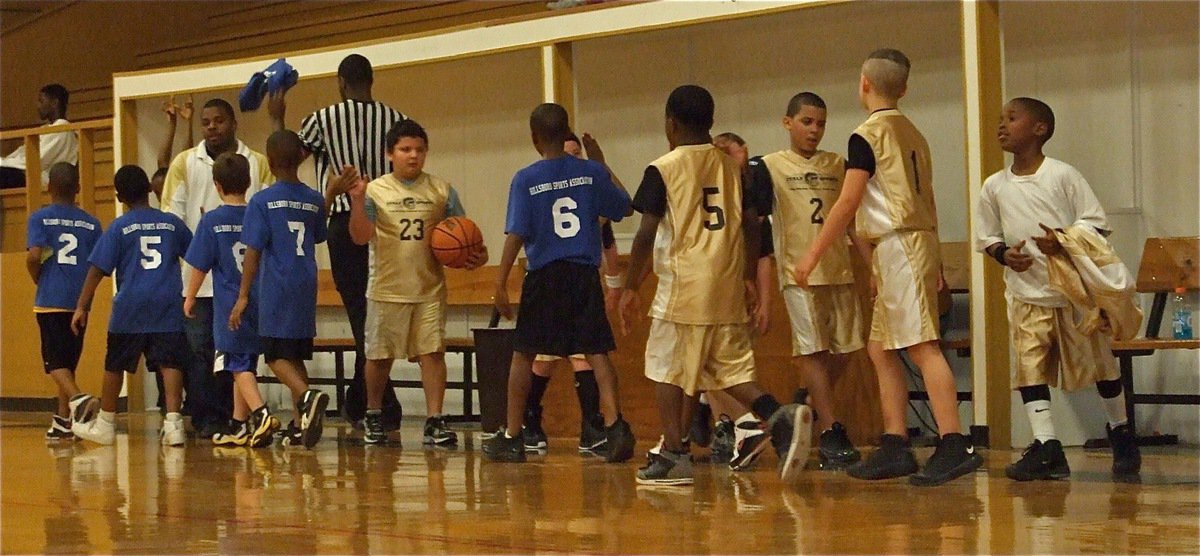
(279, 76)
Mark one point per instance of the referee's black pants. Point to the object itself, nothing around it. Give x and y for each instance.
(350, 263)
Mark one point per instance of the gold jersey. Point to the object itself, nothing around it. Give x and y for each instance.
(402, 267)
(699, 251)
(804, 189)
(899, 195)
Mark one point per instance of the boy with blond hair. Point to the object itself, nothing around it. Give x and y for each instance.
(889, 184)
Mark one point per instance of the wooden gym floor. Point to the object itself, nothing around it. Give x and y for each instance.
(135, 497)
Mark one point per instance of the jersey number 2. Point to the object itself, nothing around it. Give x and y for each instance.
(69, 245)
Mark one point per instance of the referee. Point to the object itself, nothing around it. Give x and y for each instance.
(349, 134)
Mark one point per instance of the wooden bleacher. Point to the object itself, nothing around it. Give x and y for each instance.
(1166, 264)
(463, 289)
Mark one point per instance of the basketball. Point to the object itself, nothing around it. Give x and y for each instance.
(454, 239)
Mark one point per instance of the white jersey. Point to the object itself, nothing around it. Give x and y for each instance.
(1012, 206)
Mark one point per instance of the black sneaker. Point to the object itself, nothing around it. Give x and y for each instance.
(437, 433)
(1039, 462)
(373, 430)
(262, 426)
(749, 441)
(235, 433)
(723, 440)
(953, 457)
(502, 448)
(60, 429)
(312, 415)
(1127, 458)
(620, 441)
(667, 469)
(835, 449)
(894, 458)
(292, 437)
(532, 434)
(791, 434)
(592, 438)
(701, 430)
(658, 448)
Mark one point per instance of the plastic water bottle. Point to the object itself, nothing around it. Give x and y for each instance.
(1181, 321)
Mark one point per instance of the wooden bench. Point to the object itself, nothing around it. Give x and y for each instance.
(463, 289)
(1166, 264)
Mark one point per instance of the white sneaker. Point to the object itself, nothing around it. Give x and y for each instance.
(172, 433)
(97, 430)
(83, 408)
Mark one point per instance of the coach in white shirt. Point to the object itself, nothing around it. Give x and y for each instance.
(188, 192)
(55, 147)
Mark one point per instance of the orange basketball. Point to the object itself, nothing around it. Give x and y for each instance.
(454, 239)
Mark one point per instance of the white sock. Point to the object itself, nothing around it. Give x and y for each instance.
(704, 399)
(1115, 408)
(747, 418)
(173, 416)
(1039, 419)
(108, 416)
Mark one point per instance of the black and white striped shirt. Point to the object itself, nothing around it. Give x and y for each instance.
(349, 133)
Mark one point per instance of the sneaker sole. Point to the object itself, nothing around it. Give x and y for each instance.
(316, 415)
(535, 447)
(667, 482)
(431, 441)
(971, 464)
(797, 453)
(231, 442)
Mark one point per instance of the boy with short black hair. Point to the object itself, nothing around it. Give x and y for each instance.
(144, 247)
(406, 287)
(217, 247)
(1026, 201)
(283, 224)
(59, 238)
(702, 232)
(889, 184)
(798, 185)
(554, 210)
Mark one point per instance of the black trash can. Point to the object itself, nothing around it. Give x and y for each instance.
(493, 357)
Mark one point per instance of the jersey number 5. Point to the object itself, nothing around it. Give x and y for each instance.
(151, 258)
(719, 222)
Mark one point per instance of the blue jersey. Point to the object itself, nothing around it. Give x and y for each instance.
(144, 246)
(284, 223)
(67, 236)
(555, 206)
(218, 247)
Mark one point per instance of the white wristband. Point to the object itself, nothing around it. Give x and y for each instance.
(614, 281)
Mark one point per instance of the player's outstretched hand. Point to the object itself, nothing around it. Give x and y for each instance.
(1016, 260)
(235, 315)
(185, 110)
(346, 182)
(1048, 244)
(502, 305)
(170, 108)
(477, 258)
(591, 148)
(79, 321)
(628, 310)
(189, 306)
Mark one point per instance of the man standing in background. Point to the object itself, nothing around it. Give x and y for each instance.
(188, 193)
